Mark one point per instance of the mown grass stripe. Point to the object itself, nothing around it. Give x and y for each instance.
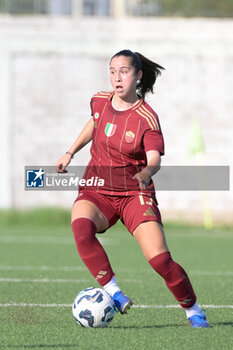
(48, 240)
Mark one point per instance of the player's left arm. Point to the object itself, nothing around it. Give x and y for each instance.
(153, 166)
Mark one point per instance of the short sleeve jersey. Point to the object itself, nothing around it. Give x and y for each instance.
(120, 141)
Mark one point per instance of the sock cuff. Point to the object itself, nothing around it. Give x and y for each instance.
(160, 258)
(84, 221)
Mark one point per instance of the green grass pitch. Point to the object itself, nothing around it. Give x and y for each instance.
(41, 273)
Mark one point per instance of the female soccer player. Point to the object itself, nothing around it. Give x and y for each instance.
(127, 145)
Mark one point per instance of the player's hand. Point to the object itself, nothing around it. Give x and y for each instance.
(143, 178)
(62, 163)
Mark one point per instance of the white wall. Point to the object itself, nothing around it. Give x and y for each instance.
(50, 67)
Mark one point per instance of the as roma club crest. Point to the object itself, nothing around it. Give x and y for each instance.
(129, 136)
(110, 129)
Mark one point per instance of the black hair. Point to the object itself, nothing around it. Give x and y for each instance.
(150, 70)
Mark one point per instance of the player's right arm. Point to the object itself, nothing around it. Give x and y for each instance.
(82, 140)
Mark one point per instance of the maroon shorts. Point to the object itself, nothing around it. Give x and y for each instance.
(131, 210)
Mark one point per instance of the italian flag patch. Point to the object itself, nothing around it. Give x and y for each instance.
(110, 129)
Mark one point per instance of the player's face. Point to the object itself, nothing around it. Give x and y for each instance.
(123, 76)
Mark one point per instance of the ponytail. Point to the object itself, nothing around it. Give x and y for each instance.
(150, 70)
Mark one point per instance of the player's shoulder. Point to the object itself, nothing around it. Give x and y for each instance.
(148, 115)
(102, 95)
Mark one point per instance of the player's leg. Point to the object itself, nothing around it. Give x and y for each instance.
(87, 209)
(87, 219)
(147, 229)
(151, 238)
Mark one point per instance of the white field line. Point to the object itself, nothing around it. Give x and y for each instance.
(134, 306)
(83, 268)
(58, 280)
(49, 240)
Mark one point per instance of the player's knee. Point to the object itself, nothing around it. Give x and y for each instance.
(84, 230)
(162, 263)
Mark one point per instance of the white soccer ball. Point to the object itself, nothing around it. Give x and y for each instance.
(93, 307)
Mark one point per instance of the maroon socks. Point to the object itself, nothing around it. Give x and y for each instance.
(91, 251)
(175, 278)
(96, 260)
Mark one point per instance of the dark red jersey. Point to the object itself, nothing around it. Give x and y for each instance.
(120, 141)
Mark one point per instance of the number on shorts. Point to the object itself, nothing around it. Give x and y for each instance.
(142, 202)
